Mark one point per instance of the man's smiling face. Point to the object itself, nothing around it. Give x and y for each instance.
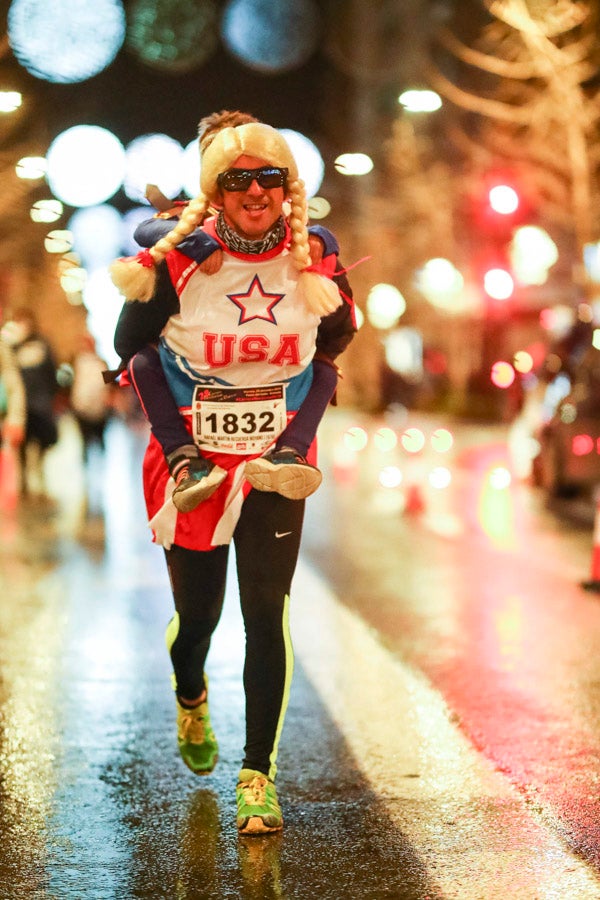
(252, 213)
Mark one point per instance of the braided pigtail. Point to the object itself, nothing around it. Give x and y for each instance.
(135, 276)
(320, 293)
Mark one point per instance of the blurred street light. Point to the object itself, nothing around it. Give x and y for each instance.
(46, 211)
(353, 164)
(385, 305)
(10, 101)
(498, 284)
(418, 100)
(58, 241)
(31, 167)
(504, 199)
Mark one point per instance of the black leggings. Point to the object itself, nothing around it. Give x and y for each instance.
(267, 541)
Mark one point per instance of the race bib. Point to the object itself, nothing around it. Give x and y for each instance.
(238, 420)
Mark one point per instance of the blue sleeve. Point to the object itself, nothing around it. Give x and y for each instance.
(331, 244)
(197, 246)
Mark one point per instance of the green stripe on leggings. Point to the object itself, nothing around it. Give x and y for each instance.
(289, 670)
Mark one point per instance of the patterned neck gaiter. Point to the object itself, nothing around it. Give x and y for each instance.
(242, 245)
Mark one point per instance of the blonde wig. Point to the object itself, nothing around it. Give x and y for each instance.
(136, 277)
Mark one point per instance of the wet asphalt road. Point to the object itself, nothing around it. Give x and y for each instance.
(441, 736)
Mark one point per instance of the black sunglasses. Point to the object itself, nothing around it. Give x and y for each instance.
(241, 179)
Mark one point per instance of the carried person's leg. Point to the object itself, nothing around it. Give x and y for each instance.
(196, 477)
(284, 469)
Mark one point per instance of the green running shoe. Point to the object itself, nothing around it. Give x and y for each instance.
(258, 811)
(197, 742)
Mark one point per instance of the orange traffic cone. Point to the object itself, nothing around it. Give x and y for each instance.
(413, 502)
(9, 477)
(594, 583)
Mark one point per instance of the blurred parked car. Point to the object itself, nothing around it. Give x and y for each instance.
(568, 459)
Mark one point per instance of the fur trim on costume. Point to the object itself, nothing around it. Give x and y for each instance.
(134, 276)
(320, 294)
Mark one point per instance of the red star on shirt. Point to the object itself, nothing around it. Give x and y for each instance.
(261, 303)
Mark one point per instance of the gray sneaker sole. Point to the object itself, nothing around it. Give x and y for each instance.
(256, 825)
(295, 482)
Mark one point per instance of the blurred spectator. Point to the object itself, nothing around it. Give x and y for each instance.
(37, 365)
(12, 426)
(12, 399)
(91, 398)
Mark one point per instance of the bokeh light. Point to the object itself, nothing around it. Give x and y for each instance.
(172, 35)
(73, 279)
(498, 284)
(523, 361)
(58, 241)
(318, 207)
(190, 168)
(404, 352)
(96, 234)
(353, 164)
(129, 222)
(311, 167)
(356, 438)
(153, 159)
(418, 100)
(532, 254)
(413, 440)
(499, 478)
(271, 35)
(442, 440)
(65, 41)
(557, 320)
(502, 374)
(103, 302)
(441, 284)
(86, 165)
(31, 167)
(385, 305)
(568, 411)
(440, 477)
(582, 444)
(390, 477)
(385, 439)
(46, 211)
(504, 199)
(10, 101)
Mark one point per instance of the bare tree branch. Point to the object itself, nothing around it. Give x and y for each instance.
(482, 105)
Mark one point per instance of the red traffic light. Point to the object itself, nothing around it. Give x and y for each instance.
(503, 199)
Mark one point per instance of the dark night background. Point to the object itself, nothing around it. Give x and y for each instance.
(131, 98)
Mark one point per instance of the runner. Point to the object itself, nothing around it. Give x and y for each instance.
(237, 351)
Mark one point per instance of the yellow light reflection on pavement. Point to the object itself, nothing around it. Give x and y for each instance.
(31, 618)
(509, 626)
(495, 512)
